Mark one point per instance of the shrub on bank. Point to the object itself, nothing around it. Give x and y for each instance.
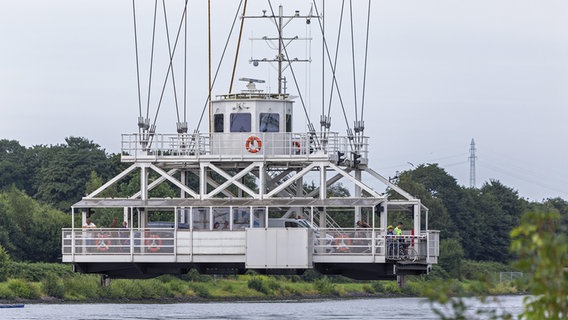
(53, 286)
(5, 292)
(37, 271)
(23, 289)
(326, 287)
(82, 287)
(4, 261)
(260, 284)
(200, 289)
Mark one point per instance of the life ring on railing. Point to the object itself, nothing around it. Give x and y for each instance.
(342, 243)
(154, 243)
(296, 147)
(103, 243)
(253, 144)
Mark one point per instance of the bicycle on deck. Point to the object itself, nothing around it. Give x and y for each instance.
(398, 249)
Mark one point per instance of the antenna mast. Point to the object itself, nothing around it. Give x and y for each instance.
(281, 21)
(472, 158)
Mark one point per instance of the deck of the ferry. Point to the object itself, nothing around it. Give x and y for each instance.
(148, 252)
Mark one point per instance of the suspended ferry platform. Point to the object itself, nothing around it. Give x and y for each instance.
(252, 194)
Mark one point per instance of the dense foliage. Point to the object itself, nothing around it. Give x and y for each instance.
(542, 246)
(480, 220)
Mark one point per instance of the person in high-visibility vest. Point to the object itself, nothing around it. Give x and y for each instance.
(399, 242)
(398, 229)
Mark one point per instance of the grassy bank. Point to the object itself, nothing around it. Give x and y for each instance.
(57, 283)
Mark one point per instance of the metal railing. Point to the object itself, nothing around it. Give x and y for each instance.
(235, 144)
(168, 241)
(372, 242)
(118, 241)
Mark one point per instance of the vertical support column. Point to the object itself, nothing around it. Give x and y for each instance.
(401, 280)
(142, 218)
(202, 180)
(105, 280)
(73, 232)
(357, 194)
(261, 180)
(416, 209)
(251, 217)
(426, 222)
(323, 182)
(299, 193)
(144, 181)
(125, 215)
(300, 186)
(384, 215)
(83, 217)
(323, 195)
(183, 180)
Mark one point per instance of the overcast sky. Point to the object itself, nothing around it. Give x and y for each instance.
(440, 73)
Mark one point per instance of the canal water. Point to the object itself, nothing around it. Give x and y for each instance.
(390, 308)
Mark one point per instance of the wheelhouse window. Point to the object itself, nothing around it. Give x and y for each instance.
(288, 123)
(218, 123)
(240, 122)
(269, 122)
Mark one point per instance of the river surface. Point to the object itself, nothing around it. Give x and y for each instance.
(388, 308)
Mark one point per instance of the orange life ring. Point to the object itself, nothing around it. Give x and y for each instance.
(253, 144)
(342, 243)
(154, 243)
(102, 244)
(296, 147)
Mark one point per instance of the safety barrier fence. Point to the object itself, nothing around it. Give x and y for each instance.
(238, 144)
(167, 241)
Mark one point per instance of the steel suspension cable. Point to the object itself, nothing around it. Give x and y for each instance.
(334, 66)
(324, 125)
(137, 60)
(219, 64)
(334, 78)
(171, 55)
(209, 84)
(185, 67)
(238, 45)
(170, 65)
(353, 58)
(152, 58)
(366, 55)
(365, 65)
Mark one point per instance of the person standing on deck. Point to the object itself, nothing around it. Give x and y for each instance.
(398, 229)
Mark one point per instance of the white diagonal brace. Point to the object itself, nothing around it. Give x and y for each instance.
(233, 180)
(215, 185)
(291, 180)
(112, 181)
(154, 184)
(355, 181)
(396, 188)
(174, 181)
(270, 183)
(329, 182)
